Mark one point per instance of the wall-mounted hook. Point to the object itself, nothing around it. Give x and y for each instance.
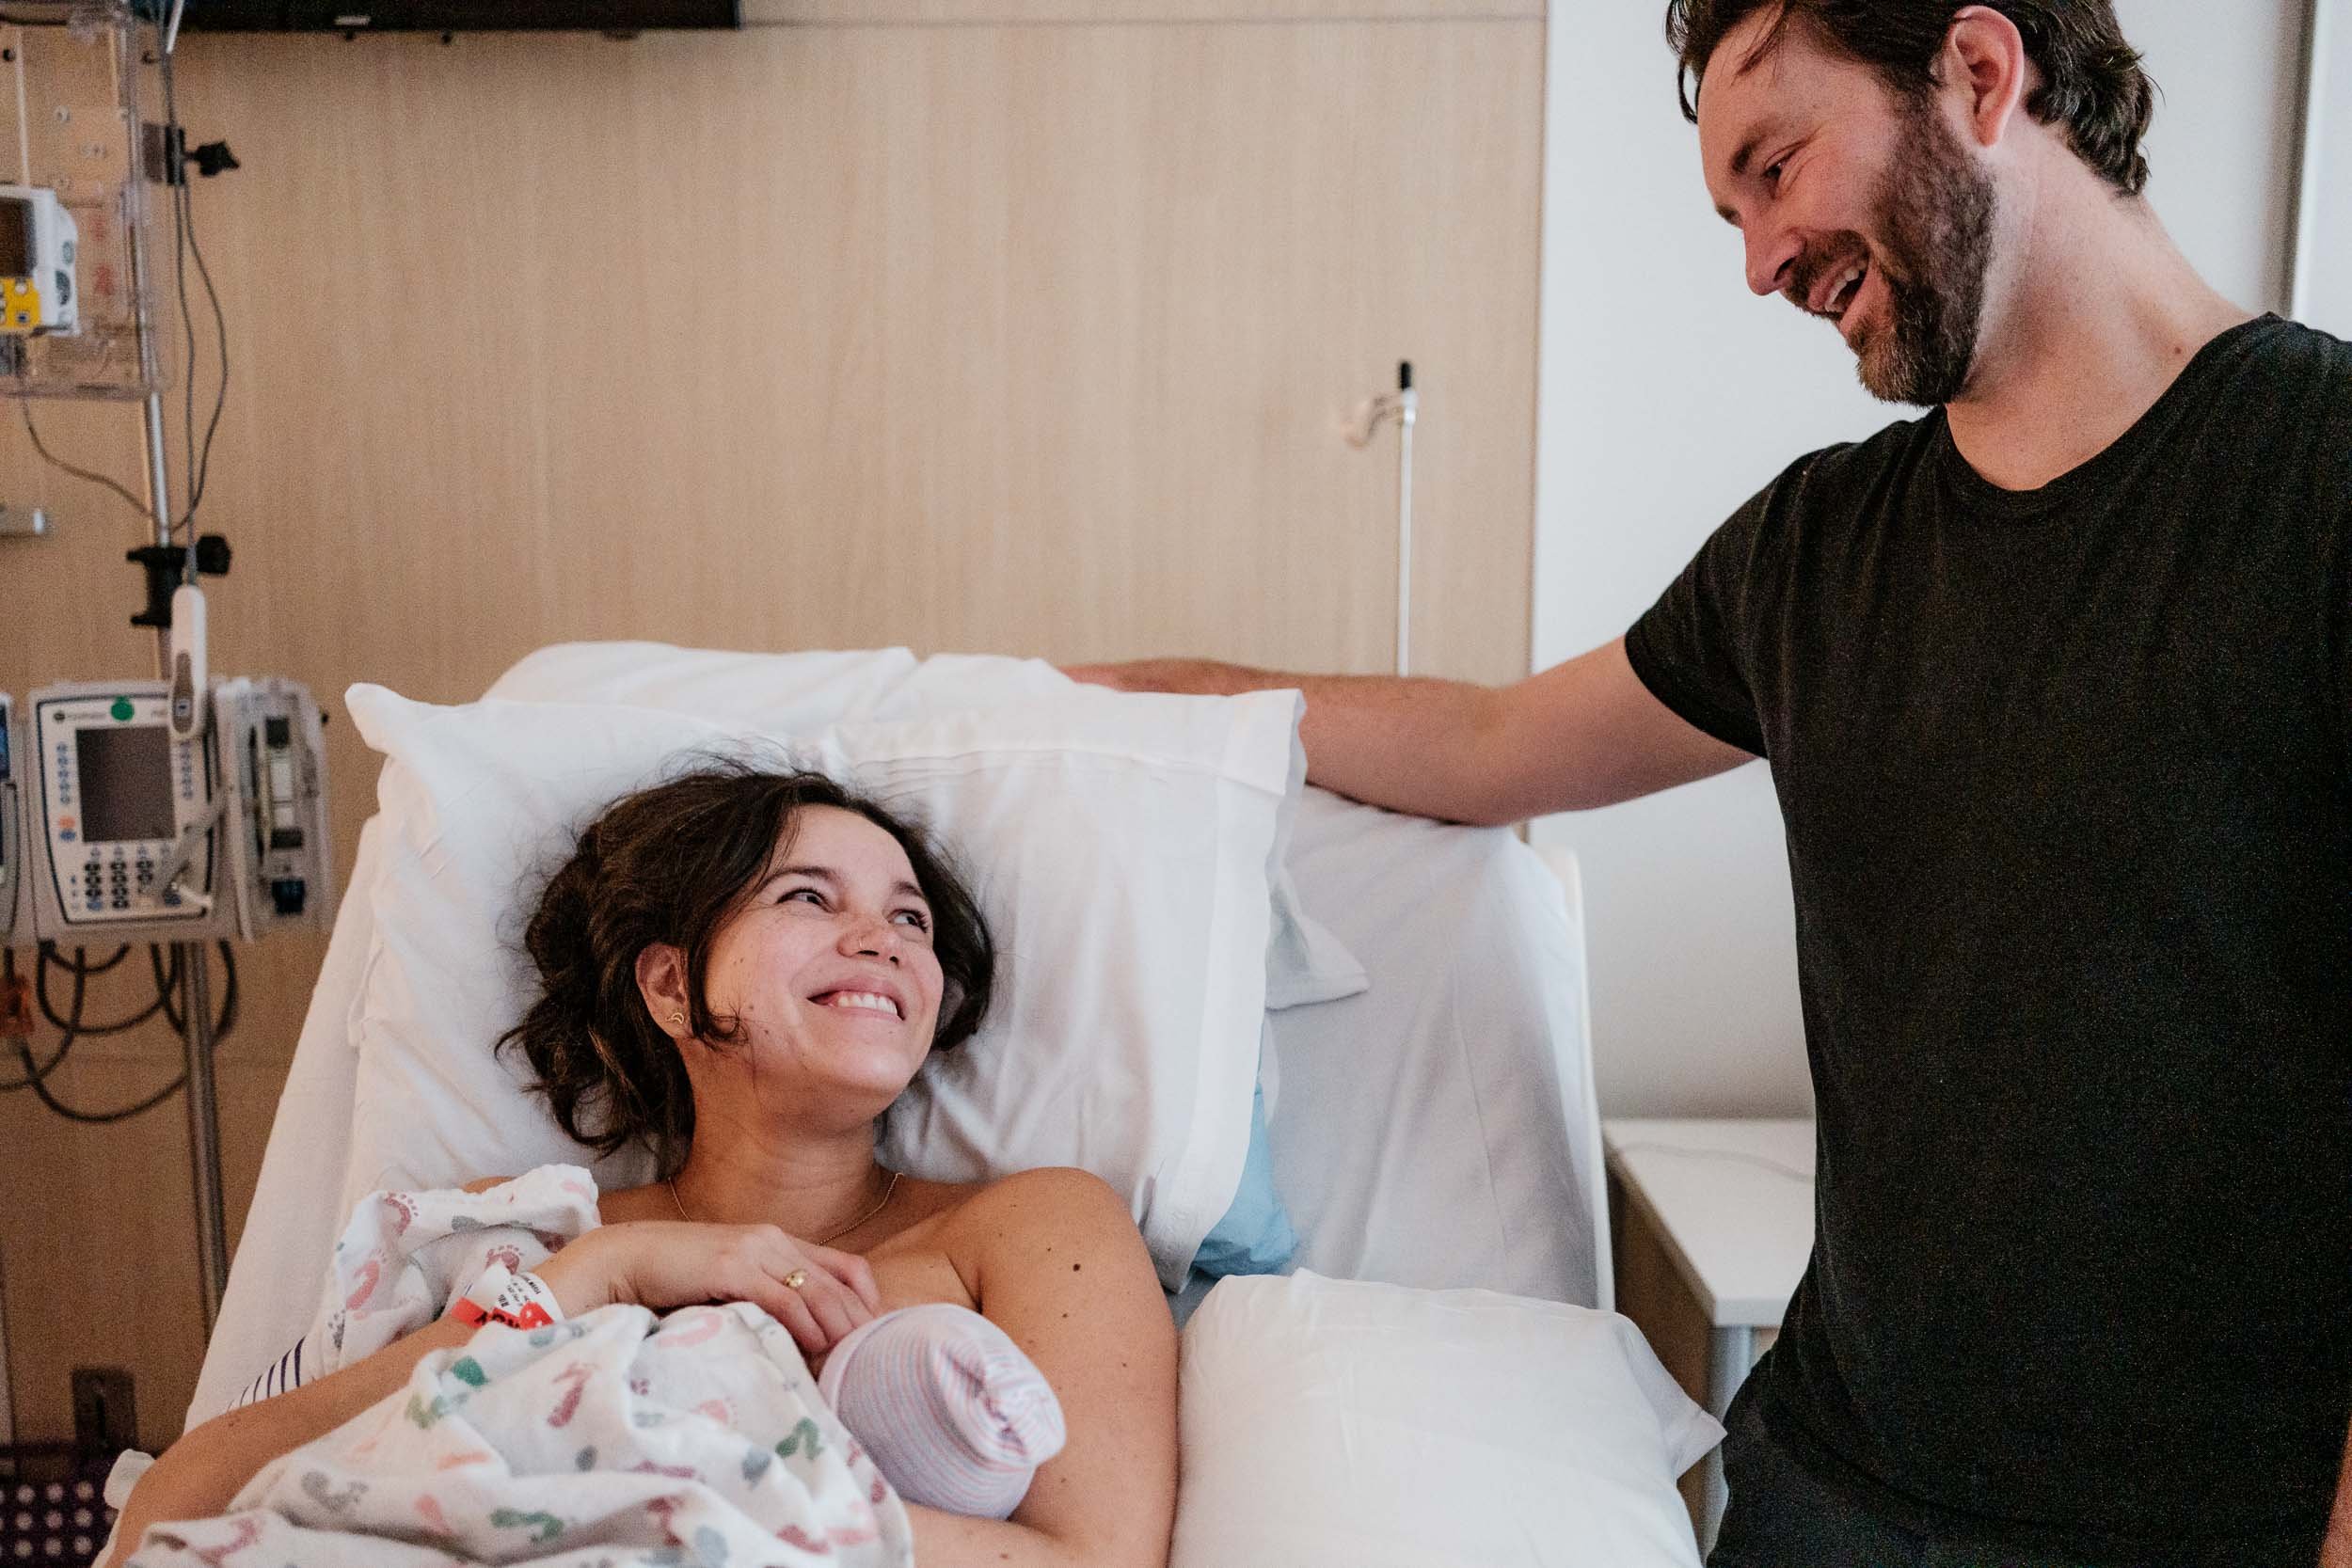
(1404, 407)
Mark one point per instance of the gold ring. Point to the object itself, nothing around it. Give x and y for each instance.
(796, 1279)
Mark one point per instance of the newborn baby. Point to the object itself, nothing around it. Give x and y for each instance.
(953, 1413)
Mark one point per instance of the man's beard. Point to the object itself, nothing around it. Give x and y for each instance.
(1935, 209)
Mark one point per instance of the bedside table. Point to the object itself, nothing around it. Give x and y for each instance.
(1714, 1222)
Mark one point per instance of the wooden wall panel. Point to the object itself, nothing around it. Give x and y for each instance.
(1023, 339)
(100, 1233)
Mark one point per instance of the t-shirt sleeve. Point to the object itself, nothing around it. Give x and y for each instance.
(1696, 648)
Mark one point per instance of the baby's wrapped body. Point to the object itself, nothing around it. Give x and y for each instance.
(617, 1429)
(614, 1437)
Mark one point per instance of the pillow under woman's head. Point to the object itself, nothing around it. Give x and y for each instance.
(1119, 846)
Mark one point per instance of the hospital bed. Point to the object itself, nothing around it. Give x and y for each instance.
(1434, 1137)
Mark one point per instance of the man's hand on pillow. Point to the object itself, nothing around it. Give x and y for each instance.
(670, 1263)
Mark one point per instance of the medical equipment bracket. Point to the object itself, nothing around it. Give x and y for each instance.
(166, 568)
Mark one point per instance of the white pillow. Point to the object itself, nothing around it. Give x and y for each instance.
(1339, 1424)
(1119, 846)
(800, 691)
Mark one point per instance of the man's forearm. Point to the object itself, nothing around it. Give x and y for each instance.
(1408, 743)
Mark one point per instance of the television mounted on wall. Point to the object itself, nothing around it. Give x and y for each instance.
(457, 16)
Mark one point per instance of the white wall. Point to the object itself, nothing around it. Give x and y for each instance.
(1670, 394)
(2326, 240)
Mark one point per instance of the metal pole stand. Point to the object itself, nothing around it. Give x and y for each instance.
(212, 1226)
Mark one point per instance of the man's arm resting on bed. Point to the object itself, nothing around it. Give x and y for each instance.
(1580, 735)
(197, 1477)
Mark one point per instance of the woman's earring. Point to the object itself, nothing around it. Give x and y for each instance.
(677, 1020)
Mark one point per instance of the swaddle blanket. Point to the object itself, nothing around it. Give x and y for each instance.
(403, 1256)
(613, 1440)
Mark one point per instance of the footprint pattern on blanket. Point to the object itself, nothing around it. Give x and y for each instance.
(322, 1491)
(686, 1330)
(545, 1526)
(371, 1274)
(574, 1379)
(248, 1532)
(805, 1432)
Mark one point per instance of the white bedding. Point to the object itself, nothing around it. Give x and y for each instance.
(1437, 1131)
(1337, 1424)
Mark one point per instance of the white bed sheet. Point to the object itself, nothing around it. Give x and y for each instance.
(290, 1229)
(1437, 1131)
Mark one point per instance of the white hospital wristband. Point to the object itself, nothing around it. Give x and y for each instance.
(500, 1296)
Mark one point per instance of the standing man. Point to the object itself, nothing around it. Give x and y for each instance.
(2056, 684)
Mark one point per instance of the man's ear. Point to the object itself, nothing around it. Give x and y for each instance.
(1985, 69)
(662, 981)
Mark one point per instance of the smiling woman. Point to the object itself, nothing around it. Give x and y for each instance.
(674, 889)
(742, 970)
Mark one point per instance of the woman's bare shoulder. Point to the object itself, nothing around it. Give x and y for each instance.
(1053, 1210)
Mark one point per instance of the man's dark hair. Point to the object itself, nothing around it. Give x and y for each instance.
(2092, 81)
(673, 864)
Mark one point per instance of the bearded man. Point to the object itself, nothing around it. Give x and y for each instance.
(2055, 685)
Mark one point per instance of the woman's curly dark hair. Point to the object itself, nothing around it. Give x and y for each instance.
(672, 863)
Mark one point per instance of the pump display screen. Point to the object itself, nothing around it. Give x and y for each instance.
(126, 783)
(16, 237)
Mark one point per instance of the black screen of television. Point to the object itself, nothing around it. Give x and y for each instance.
(459, 16)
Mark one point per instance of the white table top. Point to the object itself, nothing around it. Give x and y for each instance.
(1732, 1201)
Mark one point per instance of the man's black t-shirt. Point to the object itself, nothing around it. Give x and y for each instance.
(2068, 792)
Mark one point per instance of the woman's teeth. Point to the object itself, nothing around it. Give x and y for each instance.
(864, 1001)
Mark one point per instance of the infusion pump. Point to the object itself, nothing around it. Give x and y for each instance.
(132, 832)
(38, 237)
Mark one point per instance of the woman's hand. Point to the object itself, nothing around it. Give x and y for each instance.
(670, 1263)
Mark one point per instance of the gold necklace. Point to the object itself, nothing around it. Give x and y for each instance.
(888, 1191)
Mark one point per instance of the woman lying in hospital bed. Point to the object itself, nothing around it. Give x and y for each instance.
(741, 971)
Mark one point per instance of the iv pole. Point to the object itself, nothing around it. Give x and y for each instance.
(212, 1226)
